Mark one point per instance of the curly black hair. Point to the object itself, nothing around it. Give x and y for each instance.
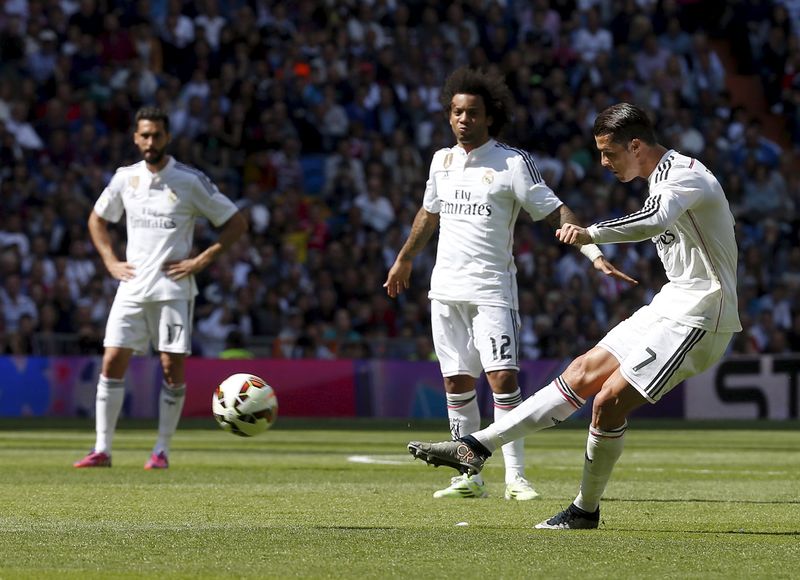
(491, 87)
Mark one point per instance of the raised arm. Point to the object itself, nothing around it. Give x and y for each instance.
(425, 223)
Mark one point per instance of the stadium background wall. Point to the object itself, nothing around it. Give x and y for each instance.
(762, 387)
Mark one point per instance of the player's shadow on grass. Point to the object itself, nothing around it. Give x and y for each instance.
(714, 532)
(699, 500)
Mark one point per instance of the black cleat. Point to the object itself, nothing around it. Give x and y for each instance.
(455, 454)
(572, 518)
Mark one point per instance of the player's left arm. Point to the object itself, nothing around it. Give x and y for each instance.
(662, 209)
(221, 211)
(233, 229)
(564, 219)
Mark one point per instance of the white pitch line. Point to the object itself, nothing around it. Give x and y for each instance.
(394, 460)
(379, 459)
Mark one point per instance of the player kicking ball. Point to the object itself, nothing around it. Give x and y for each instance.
(683, 331)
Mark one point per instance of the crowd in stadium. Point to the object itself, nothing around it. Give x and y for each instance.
(319, 120)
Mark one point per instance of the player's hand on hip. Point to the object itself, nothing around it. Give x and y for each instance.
(122, 271)
(398, 278)
(180, 269)
(608, 269)
(572, 234)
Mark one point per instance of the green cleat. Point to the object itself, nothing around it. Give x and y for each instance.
(520, 489)
(463, 486)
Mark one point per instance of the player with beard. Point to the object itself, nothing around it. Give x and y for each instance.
(161, 199)
(474, 193)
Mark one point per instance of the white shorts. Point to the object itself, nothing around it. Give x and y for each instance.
(469, 338)
(166, 325)
(656, 353)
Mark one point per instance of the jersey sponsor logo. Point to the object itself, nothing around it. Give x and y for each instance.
(476, 209)
(151, 219)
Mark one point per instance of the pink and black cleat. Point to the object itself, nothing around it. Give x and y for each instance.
(94, 459)
(157, 461)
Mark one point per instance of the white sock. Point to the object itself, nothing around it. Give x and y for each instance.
(108, 405)
(603, 449)
(463, 413)
(465, 417)
(170, 406)
(514, 451)
(547, 407)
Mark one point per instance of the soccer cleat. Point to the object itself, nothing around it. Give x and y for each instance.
(462, 486)
(572, 518)
(94, 459)
(520, 489)
(455, 454)
(157, 461)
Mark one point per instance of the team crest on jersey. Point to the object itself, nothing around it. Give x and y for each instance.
(448, 160)
(134, 181)
(488, 177)
(171, 195)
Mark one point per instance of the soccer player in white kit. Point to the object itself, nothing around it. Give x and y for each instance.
(474, 193)
(154, 302)
(683, 331)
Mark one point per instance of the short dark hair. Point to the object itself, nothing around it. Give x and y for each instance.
(154, 114)
(491, 87)
(625, 122)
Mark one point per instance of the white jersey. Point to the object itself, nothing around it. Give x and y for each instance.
(478, 196)
(688, 219)
(161, 209)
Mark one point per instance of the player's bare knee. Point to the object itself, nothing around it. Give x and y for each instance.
(172, 365)
(503, 381)
(579, 374)
(607, 413)
(115, 363)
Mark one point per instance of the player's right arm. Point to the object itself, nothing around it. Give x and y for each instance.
(98, 230)
(109, 207)
(425, 224)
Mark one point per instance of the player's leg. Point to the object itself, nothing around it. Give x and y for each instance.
(665, 354)
(507, 396)
(496, 332)
(545, 408)
(460, 366)
(126, 333)
(554, 403)
(173, 318)
(604, 446)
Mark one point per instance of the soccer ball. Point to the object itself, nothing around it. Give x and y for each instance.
(244, 405)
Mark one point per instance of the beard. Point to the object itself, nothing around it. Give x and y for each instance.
(154, 156)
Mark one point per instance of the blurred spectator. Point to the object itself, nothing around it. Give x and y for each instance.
(235, 347)
(319, 123)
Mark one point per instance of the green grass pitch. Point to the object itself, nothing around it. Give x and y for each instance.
(345, 500)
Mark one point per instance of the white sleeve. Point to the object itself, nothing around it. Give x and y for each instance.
(664, 206)
(531, 191)
(430, 200)
(109, 205)
(210, 203)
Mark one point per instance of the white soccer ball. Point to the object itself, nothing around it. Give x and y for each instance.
(244, 405)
